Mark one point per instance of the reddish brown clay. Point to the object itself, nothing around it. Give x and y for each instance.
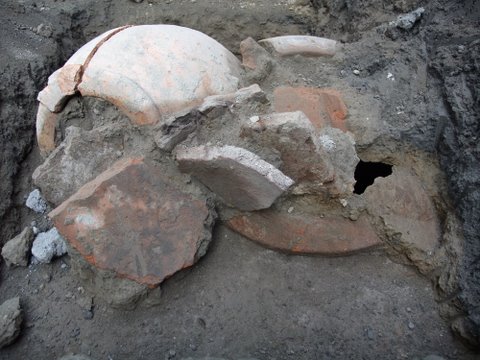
(324, 107)
(306, 234)
(132, 220)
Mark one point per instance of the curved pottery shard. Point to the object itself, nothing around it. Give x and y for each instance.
(241, 178)
(55, 95)
(306, 234)
(132, 100)
(45, 125)
(302, 45)
(148, 72)
(132, 220)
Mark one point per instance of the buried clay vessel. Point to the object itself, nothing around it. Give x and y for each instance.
(148, 72)
(193, 147)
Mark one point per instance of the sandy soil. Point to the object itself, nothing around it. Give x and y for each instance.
(243, 301)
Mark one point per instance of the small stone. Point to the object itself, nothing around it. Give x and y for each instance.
(36, 202)
(87, 314)
(370, 334)
(356, 72)
(75, 333)
(11, 317)
(253, 55)
(176, 129)
(407, 21)
(48, 245)
(409, 309)
(15, 252)
(290, 209)
(241, 178)
(44, 30)
(411, 325)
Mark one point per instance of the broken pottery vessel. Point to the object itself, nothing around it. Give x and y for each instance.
(147, 71)
(138, 195)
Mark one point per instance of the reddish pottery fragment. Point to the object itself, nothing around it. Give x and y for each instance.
(131, 219)
(305, 234)
(302, 45)
(324, 107)
(241, 178)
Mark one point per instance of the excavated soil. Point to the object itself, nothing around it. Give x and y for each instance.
(242, 300)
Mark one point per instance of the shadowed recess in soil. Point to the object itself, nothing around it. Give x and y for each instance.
(366, 172)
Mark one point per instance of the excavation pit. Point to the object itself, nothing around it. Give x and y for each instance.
(367, 97)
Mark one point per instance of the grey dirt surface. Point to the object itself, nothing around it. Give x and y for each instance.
(241, 300)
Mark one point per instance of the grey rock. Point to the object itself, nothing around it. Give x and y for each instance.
(252, 93)
(176, 129)
(78, 159)
(294, 137)
(257, 60)
(87, 314)
(47, 245)
(407, 21)
(44, 30)
(15, 252)
(11, 317)
(36, 202)
(340, 148)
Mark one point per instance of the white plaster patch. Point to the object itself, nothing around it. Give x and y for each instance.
(327, 143)
(36, 202)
